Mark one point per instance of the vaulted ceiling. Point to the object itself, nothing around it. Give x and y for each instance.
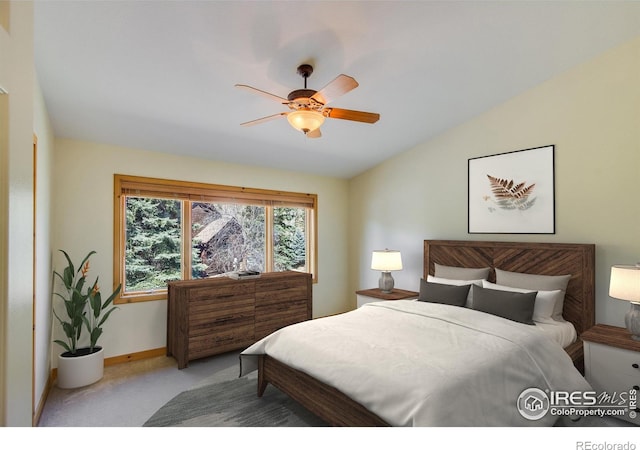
(160, 75)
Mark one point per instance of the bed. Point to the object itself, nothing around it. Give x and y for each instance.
(368, 368)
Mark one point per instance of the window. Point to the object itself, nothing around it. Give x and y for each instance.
(172, 230)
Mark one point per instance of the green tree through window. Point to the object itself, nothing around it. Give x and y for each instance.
(153, 243)
(290, 247)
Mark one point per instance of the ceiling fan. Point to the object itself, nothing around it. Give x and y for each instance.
(308, 107)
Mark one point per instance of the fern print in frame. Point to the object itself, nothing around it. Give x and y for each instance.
(512, 192)
(508, 195)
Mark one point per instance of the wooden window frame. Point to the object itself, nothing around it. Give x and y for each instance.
(129, 185)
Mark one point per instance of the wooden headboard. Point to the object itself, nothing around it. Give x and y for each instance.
(527, 257)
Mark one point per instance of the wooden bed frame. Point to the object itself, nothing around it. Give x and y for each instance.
(337, 409)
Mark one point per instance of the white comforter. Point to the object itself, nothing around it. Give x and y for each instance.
(424, 364)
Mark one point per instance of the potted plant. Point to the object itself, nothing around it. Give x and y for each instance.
(81, 365)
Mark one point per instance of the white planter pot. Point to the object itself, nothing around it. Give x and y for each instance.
(78, 371)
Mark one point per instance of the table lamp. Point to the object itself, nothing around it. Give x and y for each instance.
(386, 260)
(625, 285)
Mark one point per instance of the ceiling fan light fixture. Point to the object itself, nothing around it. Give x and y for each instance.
(308, 107)
(305, 120)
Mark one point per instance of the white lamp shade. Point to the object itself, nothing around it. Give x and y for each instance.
(386, 260)
(305, 120)
(625, 283)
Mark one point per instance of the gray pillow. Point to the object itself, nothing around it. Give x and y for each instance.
(447, 294)
(538, 283)
(514, 306)
(461, 273)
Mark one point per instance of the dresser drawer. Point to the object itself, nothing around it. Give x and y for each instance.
(224, 290)
(216, 308)
(212, 344)
(219, 321)
(267, 298)
(277, 284)
(273, 317)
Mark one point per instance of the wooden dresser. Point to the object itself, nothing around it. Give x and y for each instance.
(216, 315)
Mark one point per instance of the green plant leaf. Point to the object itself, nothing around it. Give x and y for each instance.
(63, 344)
(112, 296)
(95, 335)
(68, 329)
(106, 315)
(79, 285)
(85, 260)
(95, 300)
(69, 268)
(59, 276)
(68, 278)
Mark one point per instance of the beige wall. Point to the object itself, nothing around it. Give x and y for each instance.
(4, 213)
(591, 114)
(83, 221)
(42, 251)
(16, 203)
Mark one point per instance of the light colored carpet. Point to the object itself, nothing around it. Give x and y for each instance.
(130, 393)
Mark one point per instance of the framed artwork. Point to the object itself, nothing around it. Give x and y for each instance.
(513, 192)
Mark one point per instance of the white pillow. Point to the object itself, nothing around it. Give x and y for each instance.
(545, 304)
(432, 279)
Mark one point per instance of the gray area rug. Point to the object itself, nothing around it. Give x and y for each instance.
(232, 403)
(224, 400)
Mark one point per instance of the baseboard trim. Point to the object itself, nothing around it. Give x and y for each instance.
(135, 356)
(130, 357)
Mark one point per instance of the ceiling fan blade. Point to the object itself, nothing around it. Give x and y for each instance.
(348, 114)
(339, 86)
(314, 134)
(263, 119)
(277, 98)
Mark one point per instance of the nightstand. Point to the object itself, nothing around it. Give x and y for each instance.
(612, 363)
(376, 295)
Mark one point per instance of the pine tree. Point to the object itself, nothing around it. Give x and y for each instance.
(153, 249)
(289, 244)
